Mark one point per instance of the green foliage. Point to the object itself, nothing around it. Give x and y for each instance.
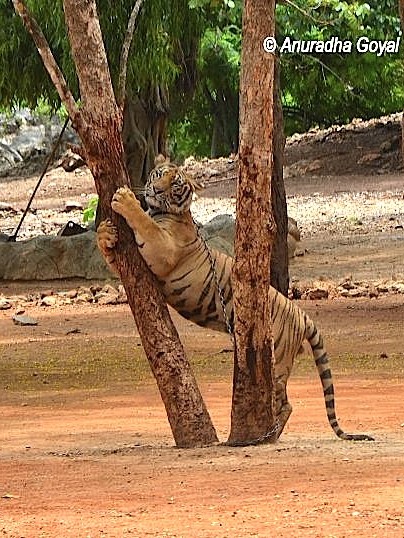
(321, 89)
(214, 108)
(317, 89)
(164, 38)
(90, 211)
(193, 47)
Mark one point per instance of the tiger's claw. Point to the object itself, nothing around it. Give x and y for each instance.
(107, 236)
(124, 201)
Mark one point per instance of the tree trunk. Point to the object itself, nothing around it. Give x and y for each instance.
(99, 124)
(279, 256)
(187, 414)
(144, 133)
(215, 138)
(252, 418)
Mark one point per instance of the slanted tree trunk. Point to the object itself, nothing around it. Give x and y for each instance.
(99, 125)
(279, 255)
(144, 134)
(252, 418)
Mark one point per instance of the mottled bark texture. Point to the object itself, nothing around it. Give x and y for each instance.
(144, 132)
(99, 123)
(252, 418)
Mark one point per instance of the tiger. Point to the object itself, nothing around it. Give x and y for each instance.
(196, 280)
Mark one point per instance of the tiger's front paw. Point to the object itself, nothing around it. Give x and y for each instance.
(107, 237)
(124, 202)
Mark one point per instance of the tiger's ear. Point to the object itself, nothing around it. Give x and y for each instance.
(161, 159)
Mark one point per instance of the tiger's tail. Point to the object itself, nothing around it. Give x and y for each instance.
(320, 356)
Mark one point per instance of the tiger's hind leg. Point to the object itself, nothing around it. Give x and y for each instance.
(107, 237)
(282, 418)
(283, 408)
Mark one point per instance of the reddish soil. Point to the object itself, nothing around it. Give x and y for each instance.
(92, 455)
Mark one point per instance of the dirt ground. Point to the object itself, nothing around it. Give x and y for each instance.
(86, 449)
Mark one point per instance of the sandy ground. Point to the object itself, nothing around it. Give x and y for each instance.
(87, 452)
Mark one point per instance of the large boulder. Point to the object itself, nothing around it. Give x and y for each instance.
(220, 232)
(293, 237)
(50, 257)
(77, 256)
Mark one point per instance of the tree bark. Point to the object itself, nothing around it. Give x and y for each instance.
(144, 133)
(99, 125)
(279, 256)
(252, 418)
(187, 414)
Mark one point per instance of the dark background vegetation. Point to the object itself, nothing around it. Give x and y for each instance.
(193, 50)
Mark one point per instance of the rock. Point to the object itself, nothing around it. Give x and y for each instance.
(4, 206)
(5, 305)
(107, 298)
(357, 292)
(369, 158)
(390, 145)
(220, 231)
(314, 166)
(49, 257)
(107, 295)
(346, 283)
(49, 300)
(382, 287)
(24, 320)
(372, 292)
(398, 287)
(316, 293)
(71, 294)
(45, 293)
(72, 205)
(293, 229)
(95, 288)
(122, 297)
(70, 161)
(293, 237)
(4, 238)
(84, 298)
(71, 228)
(108, 289)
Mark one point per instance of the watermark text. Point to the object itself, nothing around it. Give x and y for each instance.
(334, 45)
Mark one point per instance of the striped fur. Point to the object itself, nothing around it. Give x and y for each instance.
(174, 251)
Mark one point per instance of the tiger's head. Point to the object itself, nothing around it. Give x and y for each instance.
(168, 189)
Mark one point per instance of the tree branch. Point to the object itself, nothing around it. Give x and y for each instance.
(49, 61)
(123, 64)
(306, 13)
(90, 58)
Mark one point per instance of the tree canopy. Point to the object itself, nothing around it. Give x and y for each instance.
(163, 48)
(321, 89)
(193, 48)
(317, 89)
